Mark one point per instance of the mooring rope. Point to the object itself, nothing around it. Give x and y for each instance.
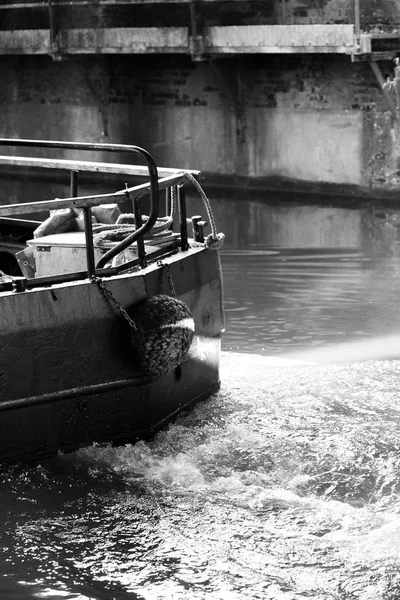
(125, 225)
(213, 241)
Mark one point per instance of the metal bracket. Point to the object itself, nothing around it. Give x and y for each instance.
(379, 77)
(196, 41)
(196, 47)
(54, 34)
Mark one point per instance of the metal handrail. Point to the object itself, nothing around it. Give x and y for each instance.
(87, 166)
(137, 191)
(90, 146)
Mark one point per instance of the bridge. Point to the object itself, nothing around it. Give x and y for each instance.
(280, 91)
(199, 28)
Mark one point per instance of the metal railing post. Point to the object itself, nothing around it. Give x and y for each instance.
(91, 267)
(141, 251)
(182, 216)
(357, 20)
(54, 38)
(74, 184)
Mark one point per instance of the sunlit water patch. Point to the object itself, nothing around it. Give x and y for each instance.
(285, 484)
(295, 298)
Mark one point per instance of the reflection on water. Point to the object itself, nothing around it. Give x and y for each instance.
(291, 300)
(309, 276)
(285, 484)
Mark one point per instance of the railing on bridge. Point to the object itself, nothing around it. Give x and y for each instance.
(199, 27)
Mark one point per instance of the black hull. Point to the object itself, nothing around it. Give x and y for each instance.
(68, 377)
(114, 415)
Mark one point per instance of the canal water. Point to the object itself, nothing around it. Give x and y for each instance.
(282, 486)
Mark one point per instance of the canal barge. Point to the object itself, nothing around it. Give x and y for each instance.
(113, 325)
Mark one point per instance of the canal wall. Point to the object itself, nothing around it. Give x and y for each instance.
(320, 122)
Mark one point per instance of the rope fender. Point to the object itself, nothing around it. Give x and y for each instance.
(163, 335)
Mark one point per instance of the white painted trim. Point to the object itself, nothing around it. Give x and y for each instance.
(258, 39)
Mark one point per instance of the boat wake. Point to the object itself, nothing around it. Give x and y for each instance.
(284, 484)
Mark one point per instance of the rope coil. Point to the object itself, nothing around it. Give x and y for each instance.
(125, 225)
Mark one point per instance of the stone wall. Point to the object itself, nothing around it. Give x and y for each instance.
(315, 119)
